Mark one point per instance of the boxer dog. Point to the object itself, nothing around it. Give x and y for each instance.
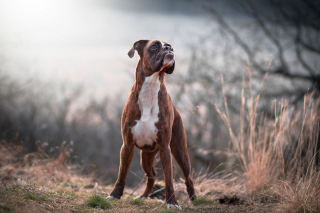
(151, 122)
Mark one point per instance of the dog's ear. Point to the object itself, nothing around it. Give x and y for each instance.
(131, 52)
(171, 69)
(138, 45)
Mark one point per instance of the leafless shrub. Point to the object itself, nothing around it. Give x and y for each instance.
(40, 117)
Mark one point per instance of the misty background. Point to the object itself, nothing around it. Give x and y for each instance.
(65, 74)
(86, 42)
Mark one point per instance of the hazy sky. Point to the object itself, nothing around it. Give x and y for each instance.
(86, 42)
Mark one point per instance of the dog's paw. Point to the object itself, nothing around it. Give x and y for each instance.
(172, 206)
(140, 198)
(111, 198)
(193, 197)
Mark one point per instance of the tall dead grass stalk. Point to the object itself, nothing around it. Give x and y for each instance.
(277, 152)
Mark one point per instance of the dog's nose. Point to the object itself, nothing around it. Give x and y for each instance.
(168, 48)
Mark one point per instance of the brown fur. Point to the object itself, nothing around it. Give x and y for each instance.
(171, 136)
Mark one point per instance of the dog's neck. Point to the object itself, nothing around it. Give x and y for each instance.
(140, 75)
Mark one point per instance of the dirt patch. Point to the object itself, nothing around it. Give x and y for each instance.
(231, 200)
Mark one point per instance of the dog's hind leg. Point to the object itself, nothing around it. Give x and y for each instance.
(180, 154)
(179, 151)
(146, 161)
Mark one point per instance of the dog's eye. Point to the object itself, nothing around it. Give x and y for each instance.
(153, 47)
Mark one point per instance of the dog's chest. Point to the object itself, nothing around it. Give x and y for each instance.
(145, 131)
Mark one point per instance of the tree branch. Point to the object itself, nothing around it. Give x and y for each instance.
(269, 35)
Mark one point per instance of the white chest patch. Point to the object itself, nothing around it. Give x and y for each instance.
(145, 132)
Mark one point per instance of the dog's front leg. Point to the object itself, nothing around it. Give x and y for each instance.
(166, 162)
(126, 155)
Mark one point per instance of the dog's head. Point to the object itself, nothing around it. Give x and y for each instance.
(156, 56)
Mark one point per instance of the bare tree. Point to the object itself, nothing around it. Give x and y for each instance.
(288, 31)
(276, 37)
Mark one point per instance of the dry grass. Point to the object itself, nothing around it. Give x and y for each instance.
(276, 169)
(301, 196)
(21, 167)
(277, 157)
(43, 186)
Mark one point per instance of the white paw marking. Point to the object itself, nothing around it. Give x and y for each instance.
(145, 132)
(171, 206)
(140, 198)
(111, 198)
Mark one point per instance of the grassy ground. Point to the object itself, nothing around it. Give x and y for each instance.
(34, 182)
(279, 172)
(56, 198)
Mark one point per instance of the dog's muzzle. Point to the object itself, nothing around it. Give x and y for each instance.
(168, 58)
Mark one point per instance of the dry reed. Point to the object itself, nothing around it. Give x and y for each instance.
(277, 154)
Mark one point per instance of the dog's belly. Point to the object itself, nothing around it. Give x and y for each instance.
(145, 131)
